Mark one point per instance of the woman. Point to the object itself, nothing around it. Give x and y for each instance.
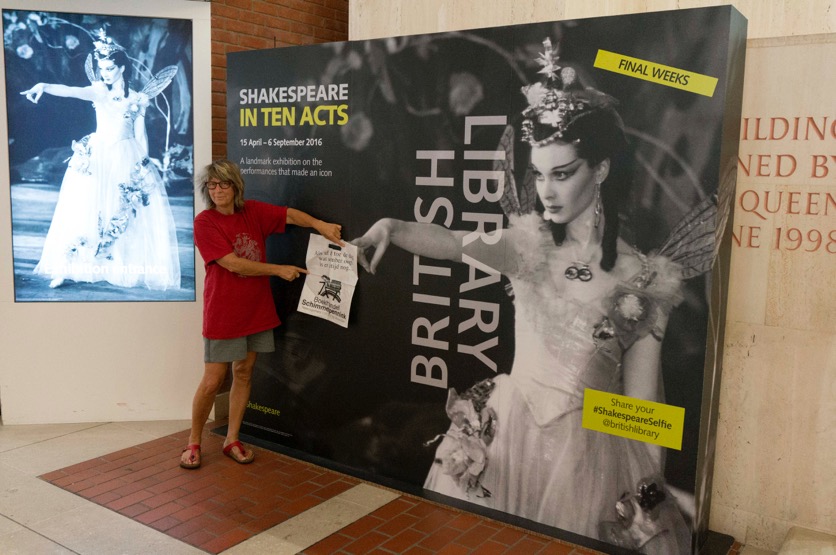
(516, 443)
(112, 221)
(239, 313)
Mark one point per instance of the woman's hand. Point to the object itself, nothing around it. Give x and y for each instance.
(289, 273)
(377, 237)
(332, 232)
(34, 94)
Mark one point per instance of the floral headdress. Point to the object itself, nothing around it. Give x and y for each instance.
(558, 100)
(104, 47)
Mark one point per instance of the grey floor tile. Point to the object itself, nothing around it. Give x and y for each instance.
(65, 450)
(369, 496)
(27, 542)
(14, 437)
(7, 526)
(95, 530)
(317, 523)
(27, 500)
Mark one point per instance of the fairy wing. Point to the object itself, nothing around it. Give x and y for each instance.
(159, 82)
(692, 244)
(725, 201)
(514, 200)
(88, 69)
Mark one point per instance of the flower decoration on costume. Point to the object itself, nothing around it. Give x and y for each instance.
(80, 160)
(633, 309)
(650, 495)
(104, 46)
(557, 101)
(76, 246)
(132, 197)
(631, 314)
(630, 309)
(135, 108)
(463, 455)
(548, 59)
(638, 513)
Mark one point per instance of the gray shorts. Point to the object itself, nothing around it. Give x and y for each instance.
(230, 350)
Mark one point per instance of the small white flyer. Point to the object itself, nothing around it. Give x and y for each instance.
(332, 277)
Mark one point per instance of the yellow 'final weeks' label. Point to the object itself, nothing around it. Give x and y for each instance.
(633, 418)
(656, 73)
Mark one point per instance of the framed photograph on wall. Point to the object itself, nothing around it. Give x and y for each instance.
(100, 113)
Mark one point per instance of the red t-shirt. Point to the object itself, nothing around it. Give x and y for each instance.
(234, 305)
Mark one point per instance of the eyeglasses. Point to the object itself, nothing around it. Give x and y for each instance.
(215, 184)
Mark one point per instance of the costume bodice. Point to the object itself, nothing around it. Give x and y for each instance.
(566, 343)
(115, 116)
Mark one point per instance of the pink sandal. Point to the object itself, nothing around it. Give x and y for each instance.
(245, 460)
(194, 456)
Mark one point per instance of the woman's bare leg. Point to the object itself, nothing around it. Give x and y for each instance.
(239, 396)
(214, 374)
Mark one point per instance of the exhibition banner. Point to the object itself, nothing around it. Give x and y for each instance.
(539, 213)
(100, 119)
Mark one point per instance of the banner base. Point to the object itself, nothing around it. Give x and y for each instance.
(716, 544)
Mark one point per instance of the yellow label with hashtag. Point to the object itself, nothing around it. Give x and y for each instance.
(633, 418)
(656, 73)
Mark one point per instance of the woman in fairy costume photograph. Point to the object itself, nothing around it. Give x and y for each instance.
(112, 221)
(590, 312)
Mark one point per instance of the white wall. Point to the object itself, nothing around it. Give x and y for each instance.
(91, 362)
(776, 458)
(387, 18)
(775, 463)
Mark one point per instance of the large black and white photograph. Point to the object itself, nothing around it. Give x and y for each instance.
(530, 225)
(100, 120)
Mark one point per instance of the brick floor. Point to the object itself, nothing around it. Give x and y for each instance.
(224, 503)
(213, 508)
(415, 526)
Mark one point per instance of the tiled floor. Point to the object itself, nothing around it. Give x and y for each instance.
(117, 488)
(212, 508)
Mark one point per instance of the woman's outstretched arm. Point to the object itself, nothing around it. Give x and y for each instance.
(331, 231)
(430, 240)
(83, 93)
